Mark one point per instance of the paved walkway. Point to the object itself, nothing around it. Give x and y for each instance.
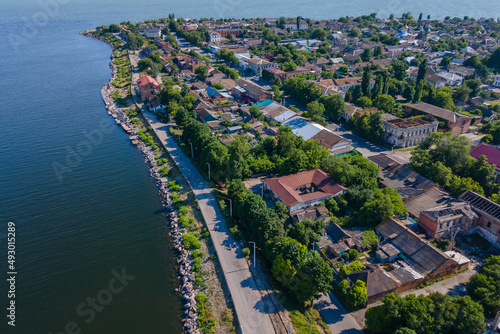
(335, 315)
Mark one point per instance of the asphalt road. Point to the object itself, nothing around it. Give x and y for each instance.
(336, 317)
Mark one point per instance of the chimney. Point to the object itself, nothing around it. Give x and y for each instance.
(496, 322)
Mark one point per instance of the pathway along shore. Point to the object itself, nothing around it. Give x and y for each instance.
(257, 310)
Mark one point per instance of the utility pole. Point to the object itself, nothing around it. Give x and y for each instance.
(230, 207)
(252, 242)
(208, 171)
(312, 243)
(191, 149)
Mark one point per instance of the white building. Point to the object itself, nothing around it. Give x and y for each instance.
(215, 37)
(293, 25)
(407, 132)
(497, 81)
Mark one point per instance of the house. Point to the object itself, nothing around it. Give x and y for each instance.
(492, 156)
(452, 79)
(256, 65)
(378, 283)
(451, 121)
(351, 109)
(155, 106)
(345, 84)
(245, 88)
(309, 130)
(147, 88)
(275, 112)
(305, 189)
(488, 223)
(409, 131)
(341, 241)
(445, 220)
(318, 212)
(332, 142)
(151, 32)
(431, 77)
(215, 37)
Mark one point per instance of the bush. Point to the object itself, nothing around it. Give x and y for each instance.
(197, 253)
(246, 252)
(190, 241)
(164, 171)
(353, 254)
(183, 221)
(183, 211)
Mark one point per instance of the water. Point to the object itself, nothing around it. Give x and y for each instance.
(76, 225)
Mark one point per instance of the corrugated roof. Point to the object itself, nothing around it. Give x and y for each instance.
(423, 257)
(407, 182)
(445, 114)
(302, 127)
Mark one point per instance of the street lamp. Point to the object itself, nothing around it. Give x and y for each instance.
(191, 149)
(253, 242)
(208, 171)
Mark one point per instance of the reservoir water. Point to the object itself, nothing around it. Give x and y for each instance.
(85, 208)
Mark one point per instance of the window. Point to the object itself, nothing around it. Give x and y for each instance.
(488, 226)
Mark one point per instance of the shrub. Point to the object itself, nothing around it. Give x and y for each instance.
(164, 171)
(246, 252)
(190, 241)
(353, 254)
(184, 222)
(183, 211)
(197, 253)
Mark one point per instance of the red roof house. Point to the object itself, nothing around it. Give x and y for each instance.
(148, 87)
(304, 189)
(492, 156)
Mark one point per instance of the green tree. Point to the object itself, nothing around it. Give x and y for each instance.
(307, 231)
(144, 64)
(202, 72)
(357, 294)
(385, 203)
(459, 185)
(462, 93)
(366, 81)
(256, 112)
(385, 103)
(276, 93)
(422, 70)
(314, 111)
(334, 106)
(367, 54)
(370, 239)
(399, 67)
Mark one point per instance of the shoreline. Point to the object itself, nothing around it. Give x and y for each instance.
(186, 276)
